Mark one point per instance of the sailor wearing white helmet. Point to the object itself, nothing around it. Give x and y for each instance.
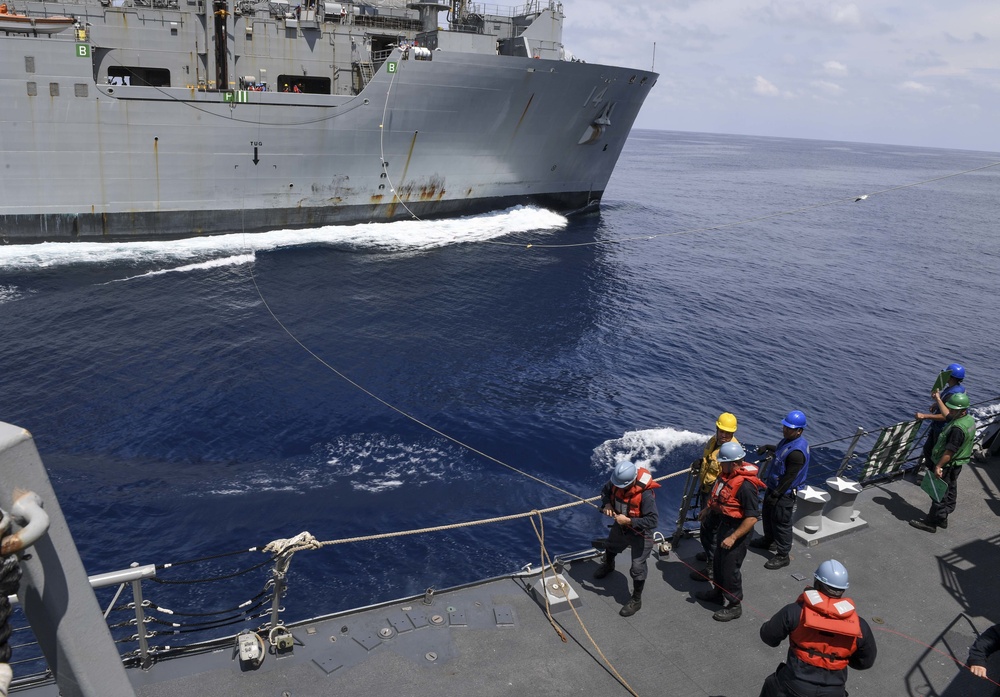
(825, 636)
(628, 497)
(729, 516)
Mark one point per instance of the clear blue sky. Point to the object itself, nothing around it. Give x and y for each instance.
(909, 72)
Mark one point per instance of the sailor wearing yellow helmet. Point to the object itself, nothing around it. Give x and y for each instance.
(708, 468)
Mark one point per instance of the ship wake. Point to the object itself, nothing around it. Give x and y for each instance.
(153, 258)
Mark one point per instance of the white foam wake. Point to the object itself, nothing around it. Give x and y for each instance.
(370, 463)
(210, 264)
(644, 448)
(402, 236)
(9, 294)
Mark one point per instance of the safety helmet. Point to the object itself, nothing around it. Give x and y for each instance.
(832, 573)
(624, 473)
(957, 371)
(795, 419)
(726, 422)
(958, 400)
(731, 452)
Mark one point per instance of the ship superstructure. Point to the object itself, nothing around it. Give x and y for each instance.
(159, 118)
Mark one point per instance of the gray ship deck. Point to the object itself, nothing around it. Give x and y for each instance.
(925, 595)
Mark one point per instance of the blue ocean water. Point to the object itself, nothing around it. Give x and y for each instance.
(197, 397)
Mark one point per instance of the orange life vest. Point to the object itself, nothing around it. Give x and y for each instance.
(828, 631)
(628, 500)
(724, 491)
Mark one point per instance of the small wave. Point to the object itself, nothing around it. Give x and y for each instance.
(210, 264)
(374, 463)
(400, 236)
(9, 294)
(644, 448)
(985, 417)
(370, 463)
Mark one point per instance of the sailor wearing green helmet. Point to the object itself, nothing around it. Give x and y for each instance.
(949, 382)
(952, 450)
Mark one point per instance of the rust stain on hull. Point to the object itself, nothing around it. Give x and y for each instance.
(523, 114)
(402, 178)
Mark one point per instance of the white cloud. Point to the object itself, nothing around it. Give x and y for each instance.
(814, 14)
(826, 69)
(764, 87)
(915, 87)
(928, 59)
(835, 68)
(830, 88)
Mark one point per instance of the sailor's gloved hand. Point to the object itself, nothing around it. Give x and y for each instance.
(696, 466)
(766, 449)
(770, 498)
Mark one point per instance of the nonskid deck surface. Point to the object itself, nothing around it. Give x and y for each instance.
(924, 595)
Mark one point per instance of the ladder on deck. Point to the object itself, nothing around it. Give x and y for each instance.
(689, 502)
(366, 71)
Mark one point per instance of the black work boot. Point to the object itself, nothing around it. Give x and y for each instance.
(606, 568)
(701, 574)
(712, 595)
(635, 602)
(924, 525)
(777, 561)
(728, 613)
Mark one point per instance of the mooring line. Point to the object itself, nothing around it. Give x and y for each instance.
(387, 404)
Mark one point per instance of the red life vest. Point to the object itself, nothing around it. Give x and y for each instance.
(828, 631)
(723, 498)
(628, 500)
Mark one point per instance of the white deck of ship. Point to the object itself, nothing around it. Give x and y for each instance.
(925, 596)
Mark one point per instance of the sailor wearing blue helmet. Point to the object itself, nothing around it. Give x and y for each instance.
(787, 473)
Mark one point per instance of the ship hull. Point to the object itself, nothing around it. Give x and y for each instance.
(459, 134)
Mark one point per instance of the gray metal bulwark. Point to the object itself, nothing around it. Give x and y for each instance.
(55, 593)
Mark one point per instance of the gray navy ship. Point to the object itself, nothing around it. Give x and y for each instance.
(140, 119)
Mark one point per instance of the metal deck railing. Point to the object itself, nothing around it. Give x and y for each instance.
(141, 622)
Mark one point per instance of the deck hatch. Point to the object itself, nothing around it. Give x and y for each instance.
(368, 641)
(418, 619)
(328, 665)
(401, 623)
(504, 616)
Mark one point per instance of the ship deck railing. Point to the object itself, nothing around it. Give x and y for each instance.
(869, 456)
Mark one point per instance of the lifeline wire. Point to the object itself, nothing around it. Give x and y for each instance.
(745, 221)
